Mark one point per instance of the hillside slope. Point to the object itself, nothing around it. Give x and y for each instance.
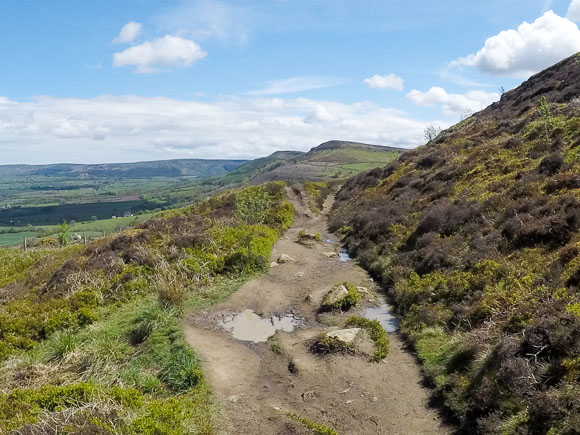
(477, 238)
(90, 340)
(333, 159)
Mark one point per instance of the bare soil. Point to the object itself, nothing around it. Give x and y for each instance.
(257, 387)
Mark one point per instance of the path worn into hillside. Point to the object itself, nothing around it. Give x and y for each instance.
(254, 385)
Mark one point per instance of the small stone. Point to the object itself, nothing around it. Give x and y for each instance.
(284, 258)
(374, 399)
(363, 290)
(273, 264)
(300, 274)
(277, 408)
(234, 398)
(308, 298)
(348, 402)
(347, 336)
(329, 254)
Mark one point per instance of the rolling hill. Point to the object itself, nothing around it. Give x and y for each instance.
(333, 159)
(476, 236)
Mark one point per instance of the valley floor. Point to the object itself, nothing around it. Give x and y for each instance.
(253, 383)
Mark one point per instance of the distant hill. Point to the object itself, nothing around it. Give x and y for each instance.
(200, 168)
(476, 236)
(333, 159)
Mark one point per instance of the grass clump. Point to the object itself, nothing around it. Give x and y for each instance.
(276, 348)
(323, 344)
(350, 298)
(375, 331)
(62, 344)
(317, 428)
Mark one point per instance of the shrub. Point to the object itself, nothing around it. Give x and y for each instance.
(376, 332)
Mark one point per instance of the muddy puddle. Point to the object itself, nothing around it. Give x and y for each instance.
(248, 326)
(383, 314)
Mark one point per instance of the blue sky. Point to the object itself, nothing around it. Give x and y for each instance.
(141, 79)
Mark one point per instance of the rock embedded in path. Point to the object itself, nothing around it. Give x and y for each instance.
(347, 336)
(284, 258)
(330, 254)
(335, 295)
(273, 264)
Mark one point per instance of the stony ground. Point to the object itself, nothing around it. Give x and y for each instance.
(257, 387)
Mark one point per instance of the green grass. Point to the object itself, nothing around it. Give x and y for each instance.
(14, 236)
(137, 352)
(87, 343)
(13, 239)
(316, 428)
(376, 332)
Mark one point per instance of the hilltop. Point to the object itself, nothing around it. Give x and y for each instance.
(476, 236)
(330, 160)
(333, 159)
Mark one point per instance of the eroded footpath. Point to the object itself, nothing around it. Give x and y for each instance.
(259, 383)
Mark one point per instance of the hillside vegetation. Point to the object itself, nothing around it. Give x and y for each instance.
(330, 160)
(477, 238)
(90, 337)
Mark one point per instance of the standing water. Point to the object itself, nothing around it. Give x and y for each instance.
(248, 326)
(382, 313)
(343, 255)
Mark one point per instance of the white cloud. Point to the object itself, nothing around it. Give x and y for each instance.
(297, 84)
(574, 11)
(128, 33)
(131, 128)
(169, 51)
(389, 81)
(527, 49)
(453, 104)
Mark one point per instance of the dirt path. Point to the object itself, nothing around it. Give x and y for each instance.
(254, 384)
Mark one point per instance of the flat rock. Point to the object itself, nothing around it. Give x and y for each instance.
(347, 336)
(273, 264)
(284, 258)
(329, 254)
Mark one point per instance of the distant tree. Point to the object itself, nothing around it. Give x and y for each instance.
(431, 132)
(63, 234)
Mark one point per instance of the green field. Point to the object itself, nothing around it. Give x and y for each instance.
(14, 236)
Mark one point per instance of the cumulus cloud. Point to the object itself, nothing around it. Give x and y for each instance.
(131, 128)
(168, 51)
(389, 81)
(128, 33)
(574, 11)
(528, 49)
(453, 104)
(296, 84)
